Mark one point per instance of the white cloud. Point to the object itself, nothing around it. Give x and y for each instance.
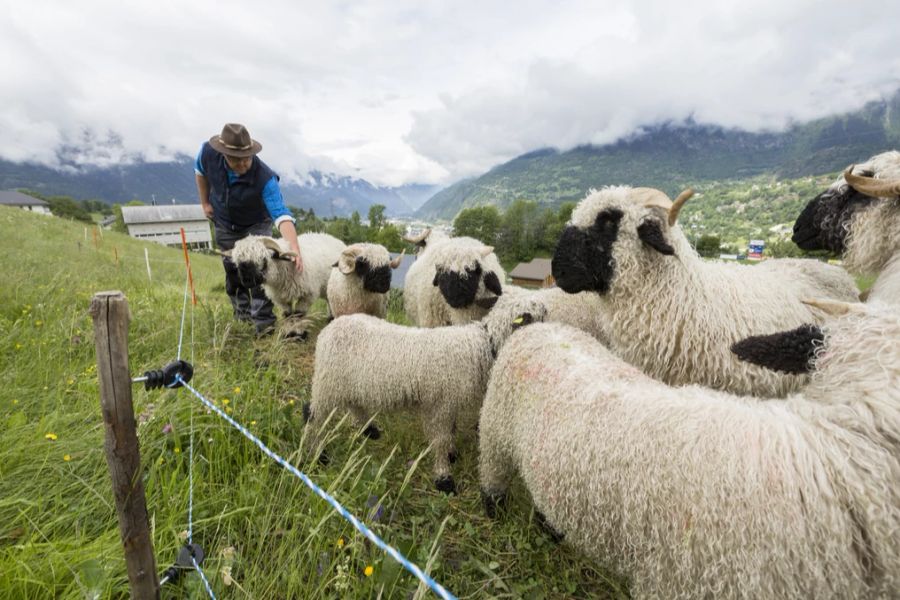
(410, 91)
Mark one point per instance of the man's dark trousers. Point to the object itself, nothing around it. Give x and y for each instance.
(250, 304)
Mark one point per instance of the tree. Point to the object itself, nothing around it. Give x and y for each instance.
(481, 223)
(376, 217)
(708, 246)
(67, 208)
(783, 248)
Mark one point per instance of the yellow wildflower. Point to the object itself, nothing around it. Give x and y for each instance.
(38, 323)
(253, 422)
(226, 401)
(369, 570)
(70, 381)
(227, 410)
(16, 401)
(177, 450)
(50, 436)
(67, 457)
(237, 390)
(340, 542)
(18, 346)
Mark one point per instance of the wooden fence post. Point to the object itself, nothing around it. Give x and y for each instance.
(110, 313)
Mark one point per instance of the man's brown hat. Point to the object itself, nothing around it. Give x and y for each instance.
(235, 141)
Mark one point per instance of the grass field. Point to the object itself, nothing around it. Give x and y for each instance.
(264, 533)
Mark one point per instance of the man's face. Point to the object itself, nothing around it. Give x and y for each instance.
(239, 165)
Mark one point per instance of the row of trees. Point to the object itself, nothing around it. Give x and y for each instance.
(526, 230)
(523, 231)
(352, 230)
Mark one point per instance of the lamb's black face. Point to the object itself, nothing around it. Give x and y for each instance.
(376, 280)
(583, 259)
(823, 223)
(459, 289)
(252, 275)
(787, 352)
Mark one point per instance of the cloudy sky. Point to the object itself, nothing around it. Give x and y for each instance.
(399, 91)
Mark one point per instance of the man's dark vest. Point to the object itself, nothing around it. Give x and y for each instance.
(239, 205)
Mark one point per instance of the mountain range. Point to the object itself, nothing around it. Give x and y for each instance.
(165, 182)
(671, 156)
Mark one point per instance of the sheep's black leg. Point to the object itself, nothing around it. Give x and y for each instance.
(492, 503)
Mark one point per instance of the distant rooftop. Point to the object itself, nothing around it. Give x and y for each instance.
(10, 198)
(133, 215)
(538, 270)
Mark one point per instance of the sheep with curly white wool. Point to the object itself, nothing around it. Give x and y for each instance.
(695, 493)
(584, 310)
(424, 238)
(361, 280)
(858, 216)
(453, 281)
(367, 365)
(268, 262)
(670, 312)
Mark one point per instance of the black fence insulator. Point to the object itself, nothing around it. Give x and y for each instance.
(167, 375)
(182, 563)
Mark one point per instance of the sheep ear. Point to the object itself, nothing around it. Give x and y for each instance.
(486, 250)
(225, 253)
(522, 320)
(346, 264)
(834, 308)
(650, 232)
(787, 352)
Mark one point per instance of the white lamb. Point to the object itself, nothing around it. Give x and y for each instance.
(670, 312)
(361, 280)
(453, 281)
(267, 261)
(858, 216)
(695, 493)
(367, 365)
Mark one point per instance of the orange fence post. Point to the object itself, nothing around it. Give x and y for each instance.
(187, 262)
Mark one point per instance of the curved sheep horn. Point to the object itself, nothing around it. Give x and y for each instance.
(485, 250)
(419, 238)
(878, 188)
(396, 262)
(651, 197)
(679, 202)
(347, 262)
(226, 253)
(271, 244)
(835, 308)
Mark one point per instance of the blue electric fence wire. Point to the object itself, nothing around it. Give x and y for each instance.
(395, 554)
(190, 527)
(203, 577)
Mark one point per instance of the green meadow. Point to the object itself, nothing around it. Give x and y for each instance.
(264, 533)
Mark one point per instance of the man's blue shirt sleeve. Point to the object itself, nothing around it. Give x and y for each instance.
(275, 202)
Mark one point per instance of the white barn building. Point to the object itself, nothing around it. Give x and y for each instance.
(162, 224)
(20, 200)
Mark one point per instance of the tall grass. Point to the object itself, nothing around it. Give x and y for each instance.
(265, 534)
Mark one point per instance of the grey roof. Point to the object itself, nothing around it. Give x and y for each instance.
(538, 269)
(20, 199)
(163, 213)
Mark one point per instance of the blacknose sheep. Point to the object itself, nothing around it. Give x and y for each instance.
(858, 216)
(367, 365)
(267, 261)
(453, 281)
(670, 312)
(361, 280)
(695, 493)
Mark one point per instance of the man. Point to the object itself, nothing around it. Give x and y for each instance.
(240, 194)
